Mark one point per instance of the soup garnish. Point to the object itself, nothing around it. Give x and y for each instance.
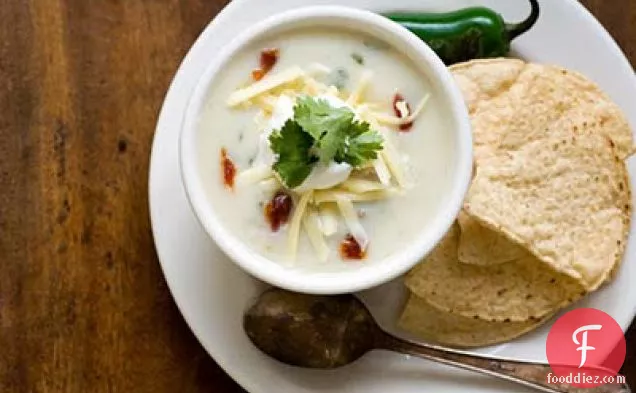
(350, 249)
(320, 133)
(402, 109)
(322, 149)
(228, 168)
(268, 59)
(277, 211)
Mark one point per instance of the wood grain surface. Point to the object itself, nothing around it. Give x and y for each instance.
(83, 304)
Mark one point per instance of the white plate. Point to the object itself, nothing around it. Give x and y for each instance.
(212, 293)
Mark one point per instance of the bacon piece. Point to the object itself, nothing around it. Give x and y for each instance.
(228, 169)
(278, 210)
(398, 98)
(350, 249)
(258, 74)
(269, 58)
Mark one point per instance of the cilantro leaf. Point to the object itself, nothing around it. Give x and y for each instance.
(363, 147)
(320, 132)
(361, 144)
(357, 128)
(332, 144)
(292, 145)
(326, 124)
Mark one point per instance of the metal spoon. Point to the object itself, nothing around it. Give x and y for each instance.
(327, 332)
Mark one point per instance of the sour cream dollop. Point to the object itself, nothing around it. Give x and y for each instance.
(322, 176)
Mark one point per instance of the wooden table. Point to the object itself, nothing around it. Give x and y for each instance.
(83, 304)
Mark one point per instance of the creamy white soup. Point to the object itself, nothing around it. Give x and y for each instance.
(325, 149)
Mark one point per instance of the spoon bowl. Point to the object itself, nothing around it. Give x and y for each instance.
(311, 331)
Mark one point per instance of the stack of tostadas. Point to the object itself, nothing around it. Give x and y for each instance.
(548, 213)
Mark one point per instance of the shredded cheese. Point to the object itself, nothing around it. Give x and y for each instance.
(353, 222)
(393, 159)
(358, 93)
(254, 175)
(333, 91)
(382, 171)
(388, 157)
(383, 118)
(391, 156)
(294, 227)
(265, 85)
(266, 102)
(360, 186)
(270, 186)
(328, 219)
(368, 107)
(313, 87)
(311, 224)
(318, 69)
(334, 194)
(402, 108)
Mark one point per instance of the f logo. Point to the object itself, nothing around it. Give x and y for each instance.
(586, 344)
(583, 344)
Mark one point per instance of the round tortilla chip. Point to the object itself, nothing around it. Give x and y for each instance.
(428, 323)
(511, 103)
(518, 291)
(480, 245)
(505, 95)
(566, 200)
(482, 80)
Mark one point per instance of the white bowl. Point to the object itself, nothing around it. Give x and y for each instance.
(367, 276)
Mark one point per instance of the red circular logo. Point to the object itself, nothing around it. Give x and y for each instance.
(585, 348)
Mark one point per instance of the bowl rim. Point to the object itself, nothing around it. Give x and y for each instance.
(392, 266)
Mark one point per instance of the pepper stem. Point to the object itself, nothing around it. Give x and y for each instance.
(514, 30)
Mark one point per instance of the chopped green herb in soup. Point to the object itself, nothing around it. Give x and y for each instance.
(357, 58)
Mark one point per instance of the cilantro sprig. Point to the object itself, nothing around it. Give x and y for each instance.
(293, 147)
(319, 132)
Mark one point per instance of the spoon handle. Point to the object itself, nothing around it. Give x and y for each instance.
(530, 374)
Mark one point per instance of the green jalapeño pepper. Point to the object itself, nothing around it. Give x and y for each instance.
(466, 34)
